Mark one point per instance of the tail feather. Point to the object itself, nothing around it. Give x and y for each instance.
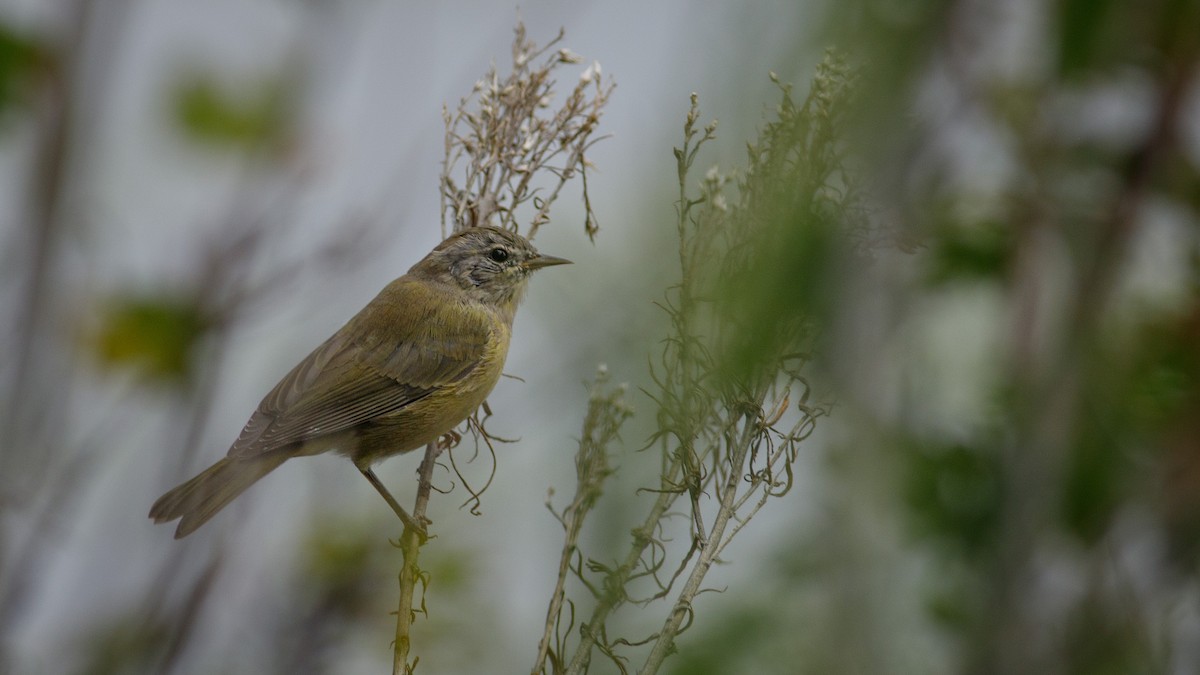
(200, 498)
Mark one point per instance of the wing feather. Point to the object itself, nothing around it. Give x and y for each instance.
(373, 366)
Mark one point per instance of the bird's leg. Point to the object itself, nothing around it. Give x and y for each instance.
(408, 520)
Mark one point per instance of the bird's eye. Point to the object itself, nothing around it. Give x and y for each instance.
(498, 255)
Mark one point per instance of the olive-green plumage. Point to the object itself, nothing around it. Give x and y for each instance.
(416, 361)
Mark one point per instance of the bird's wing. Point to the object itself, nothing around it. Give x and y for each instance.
(373, 366)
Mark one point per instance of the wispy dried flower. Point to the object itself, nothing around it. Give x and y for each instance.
(507, 158)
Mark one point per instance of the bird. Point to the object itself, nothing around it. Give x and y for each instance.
(408, 368)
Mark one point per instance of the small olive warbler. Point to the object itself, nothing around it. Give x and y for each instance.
(416, 361)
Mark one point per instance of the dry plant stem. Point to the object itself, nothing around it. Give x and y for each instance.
(710, 547)
(573, 525)
(681, 465)
(800, 431)
(573, 522)
(614, 596)
(410, 573)
(715, 436)
(47, 185)
(684, 158)
(606, 412)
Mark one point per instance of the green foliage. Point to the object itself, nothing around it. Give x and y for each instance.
(1141, 392)
(1107, 636)
(128, 644)
(954, 494)
(338, 560)
(894, 37)
(154, 334)
(1098, 35)
(954, 599)
(1164, 373)
(22, 60)
(1085, 27)
(212, 114)
(791, 227)
(979, 251)
(1097, 471)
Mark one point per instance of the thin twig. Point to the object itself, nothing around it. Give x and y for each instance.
(710, 547)
(606, 412)
(614, 586)
(410, 572)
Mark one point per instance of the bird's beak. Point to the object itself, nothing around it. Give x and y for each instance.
(545, 261)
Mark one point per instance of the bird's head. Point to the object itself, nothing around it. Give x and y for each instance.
(492, 265)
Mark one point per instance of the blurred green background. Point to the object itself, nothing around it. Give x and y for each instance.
(192, 196)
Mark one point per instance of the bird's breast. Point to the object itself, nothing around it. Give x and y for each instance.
(442, 409)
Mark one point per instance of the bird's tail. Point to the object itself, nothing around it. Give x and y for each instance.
(203, 496)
